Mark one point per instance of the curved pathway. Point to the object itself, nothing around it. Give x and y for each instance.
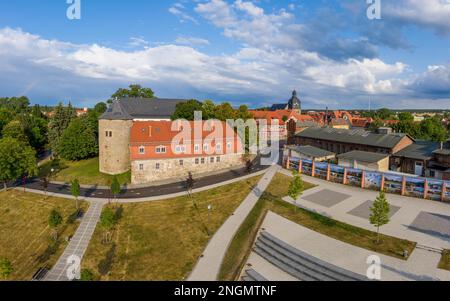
(143, 193)
(208, 266)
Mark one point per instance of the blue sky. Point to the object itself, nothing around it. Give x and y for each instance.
(242, 51)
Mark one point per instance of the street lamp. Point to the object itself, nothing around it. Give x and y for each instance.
(209, 216)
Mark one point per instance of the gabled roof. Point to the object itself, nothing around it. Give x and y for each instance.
(160, 132)
(353, 136)
(141, 108)
(311, 151)
(279, 106)
(443, 151)
(420, 150)
(361, 156)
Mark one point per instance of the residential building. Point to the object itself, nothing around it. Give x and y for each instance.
(364, 160)
(343, 141)
(309, 152)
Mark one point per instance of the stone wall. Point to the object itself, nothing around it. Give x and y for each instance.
(114, 152)
(171, 168)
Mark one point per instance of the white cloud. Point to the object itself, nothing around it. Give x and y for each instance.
(191, 41)
(178, 10)
(92, 71)
(138, 42)
(431, 13)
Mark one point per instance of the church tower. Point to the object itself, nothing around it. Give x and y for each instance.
(294, 103)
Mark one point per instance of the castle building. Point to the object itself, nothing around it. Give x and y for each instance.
(138, 135)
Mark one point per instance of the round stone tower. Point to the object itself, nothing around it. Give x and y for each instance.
(114, 140)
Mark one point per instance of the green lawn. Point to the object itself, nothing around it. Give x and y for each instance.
(272, 200)
(445, 260)
(25, 237)
(86, 171)
(163, 240)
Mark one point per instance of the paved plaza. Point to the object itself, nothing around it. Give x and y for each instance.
(423, 221)
(363, 210)
(421, 265)
(327, 198)
(432, 224)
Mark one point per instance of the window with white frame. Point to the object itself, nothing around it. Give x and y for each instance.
(218, 159)
(228, 145)
(197, 161)
(161, 150)
(141, 150)
(205, 147)
(196, 147)
(158, 166)
(141, 166)
(211, 160)
(219, 146)
(181, 162)
(203, 160)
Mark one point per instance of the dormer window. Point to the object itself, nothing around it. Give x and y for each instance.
(161, 150)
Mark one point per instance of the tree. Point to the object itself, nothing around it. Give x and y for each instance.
(54, 221)
(406, 116)
(295, 187)
(433, 129)
(75, 189)
(77, 142)
(107, 221)
(44, 184)
(100, 108)
(15, 104)
(35, 129)
(15, 130)
(208, 109)
(190, 183)
(86, 275)
(186, 110)
(16, 159)
(243, 113)
(115, 187)
(6, 268)
(375, 125)
(384, 113)
(134, 91)
(380, 213)
(59, 122)
(224, 111)
(6, 116)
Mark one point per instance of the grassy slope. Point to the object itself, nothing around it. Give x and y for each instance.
(445, 260)
(271, 200)
(163, 240)
(24, 233)
(86, 171)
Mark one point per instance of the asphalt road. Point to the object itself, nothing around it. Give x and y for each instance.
(147, 191)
